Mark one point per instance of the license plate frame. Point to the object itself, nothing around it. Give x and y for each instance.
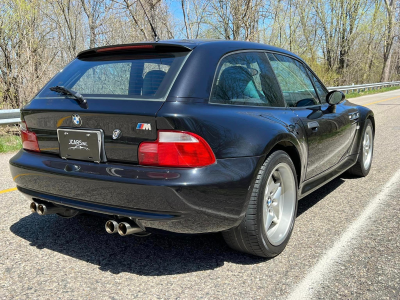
(81, 144)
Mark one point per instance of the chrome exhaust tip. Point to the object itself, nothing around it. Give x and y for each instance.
(41, 209)
(48, 209)
(124, 228)
(111, 226)
(33, 206)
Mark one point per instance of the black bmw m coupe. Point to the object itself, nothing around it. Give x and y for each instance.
(189, 136)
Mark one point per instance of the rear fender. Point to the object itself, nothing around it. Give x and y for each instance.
(294, 147)
(281, 142)
(231, 131)
(365, 113)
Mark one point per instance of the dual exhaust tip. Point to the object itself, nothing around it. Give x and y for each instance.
(44, 209)
(123, 228)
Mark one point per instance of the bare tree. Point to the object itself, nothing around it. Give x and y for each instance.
(96, 12)
(236, 19)
(390, 35)
(194, 16)
(67, 15)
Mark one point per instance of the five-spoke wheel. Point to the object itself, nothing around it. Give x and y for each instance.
(269, 220)
(364, 161)
(279, 203)
(367, 147)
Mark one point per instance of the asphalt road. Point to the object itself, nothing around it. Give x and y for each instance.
(345, 245)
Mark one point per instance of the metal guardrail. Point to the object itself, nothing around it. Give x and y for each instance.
(12, 116)
(9, 116)
(363, 87)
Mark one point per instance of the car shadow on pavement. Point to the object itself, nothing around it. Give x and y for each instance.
(312, 199)
(85, 238)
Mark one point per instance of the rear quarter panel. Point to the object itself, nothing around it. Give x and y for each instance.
(365, 113)
(234, 131)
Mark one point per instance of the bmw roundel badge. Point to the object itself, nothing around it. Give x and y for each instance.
(76, 119)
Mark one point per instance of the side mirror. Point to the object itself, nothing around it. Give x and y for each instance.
(335, 97)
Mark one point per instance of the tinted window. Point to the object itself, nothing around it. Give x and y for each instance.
(105, 79)
(132, 76)
(320, 88)
(246, 79)
(296, 86)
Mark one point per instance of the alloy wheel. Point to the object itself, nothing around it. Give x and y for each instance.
(279, 204)
(367, 147)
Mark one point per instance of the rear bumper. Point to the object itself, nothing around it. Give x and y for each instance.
(195, 200)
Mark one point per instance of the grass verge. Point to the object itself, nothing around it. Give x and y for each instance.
(370, 92)
(9, 139)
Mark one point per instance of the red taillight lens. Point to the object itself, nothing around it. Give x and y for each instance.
(176, 149)
(122, 48)
(29, 139)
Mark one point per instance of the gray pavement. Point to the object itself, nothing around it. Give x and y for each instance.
(53, 258)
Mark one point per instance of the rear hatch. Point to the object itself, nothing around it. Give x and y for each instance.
(124, 87)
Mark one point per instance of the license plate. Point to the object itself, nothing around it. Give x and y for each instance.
(81, 144)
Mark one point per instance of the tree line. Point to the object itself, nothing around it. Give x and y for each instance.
(344, 41)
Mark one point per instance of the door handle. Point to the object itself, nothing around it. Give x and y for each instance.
(313, 125)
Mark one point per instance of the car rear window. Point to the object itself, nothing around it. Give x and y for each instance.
(147, 76)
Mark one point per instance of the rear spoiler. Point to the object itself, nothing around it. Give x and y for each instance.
(136, 47)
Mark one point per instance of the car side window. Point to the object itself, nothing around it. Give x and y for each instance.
(296, 86)
(320, 88)
(246, 78)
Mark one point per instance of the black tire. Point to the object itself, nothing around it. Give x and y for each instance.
(359, 169)
(251, 236)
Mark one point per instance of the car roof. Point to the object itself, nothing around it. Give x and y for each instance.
(190, 44)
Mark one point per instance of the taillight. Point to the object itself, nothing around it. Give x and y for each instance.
(176, 149)
(122, 48)
(29, 139)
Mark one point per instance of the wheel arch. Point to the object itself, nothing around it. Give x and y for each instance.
(294, 153)
(365, 114)
(372, 118)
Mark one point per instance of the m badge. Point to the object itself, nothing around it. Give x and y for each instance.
(143, 126)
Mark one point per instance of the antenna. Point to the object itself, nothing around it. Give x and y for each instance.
(156, 39)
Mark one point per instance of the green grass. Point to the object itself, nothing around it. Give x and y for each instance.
(370, 92)
(10, 143)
